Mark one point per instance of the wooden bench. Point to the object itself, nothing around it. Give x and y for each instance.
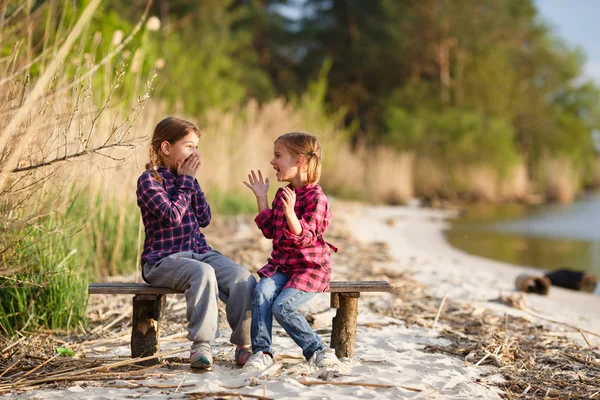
(149, 302)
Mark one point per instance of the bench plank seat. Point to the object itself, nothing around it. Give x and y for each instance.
(149, 301)
(144, 288)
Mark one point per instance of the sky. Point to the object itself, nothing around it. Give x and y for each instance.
(578, 23)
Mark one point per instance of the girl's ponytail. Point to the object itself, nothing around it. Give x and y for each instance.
(313, 172)
(153, 164)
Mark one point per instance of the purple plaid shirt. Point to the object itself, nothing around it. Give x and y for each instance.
(173, 213)
(305, 258)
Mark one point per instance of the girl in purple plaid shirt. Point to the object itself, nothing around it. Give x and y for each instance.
(176, 254)
(299, 265)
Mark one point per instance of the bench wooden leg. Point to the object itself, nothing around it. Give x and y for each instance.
(147, 311)
(343, 332)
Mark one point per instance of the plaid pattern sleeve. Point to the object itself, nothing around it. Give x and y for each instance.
(264, 221)
(304, 258)
(168, 209)
(173, 211)
(314, 221)
(201, 207)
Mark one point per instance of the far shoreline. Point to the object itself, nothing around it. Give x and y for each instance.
(548, 237)
(416, 243)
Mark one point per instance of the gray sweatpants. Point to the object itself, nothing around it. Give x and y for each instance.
(206, 278)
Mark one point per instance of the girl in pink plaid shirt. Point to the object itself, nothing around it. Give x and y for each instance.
(299, 265)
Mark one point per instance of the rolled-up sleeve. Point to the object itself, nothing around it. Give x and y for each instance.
(264, 221)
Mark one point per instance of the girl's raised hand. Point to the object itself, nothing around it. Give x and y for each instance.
(190, 166)
(289, 200)
(259, 186)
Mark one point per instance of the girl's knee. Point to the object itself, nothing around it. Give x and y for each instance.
(266, 287)
(264, 292)
(281, 309)
(246, 280)
(203, 273)
(242, 274)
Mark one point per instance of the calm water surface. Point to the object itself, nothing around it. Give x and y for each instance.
(547, 237)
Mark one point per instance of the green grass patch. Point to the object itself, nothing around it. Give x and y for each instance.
(56, 256)
(224, 203)
(50, 288)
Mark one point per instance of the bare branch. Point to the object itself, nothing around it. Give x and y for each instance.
(75, 155)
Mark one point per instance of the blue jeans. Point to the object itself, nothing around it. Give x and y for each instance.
(271, 300)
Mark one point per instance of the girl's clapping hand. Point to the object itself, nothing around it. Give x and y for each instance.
(259, 186)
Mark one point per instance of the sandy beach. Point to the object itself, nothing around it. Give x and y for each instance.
(393, 357)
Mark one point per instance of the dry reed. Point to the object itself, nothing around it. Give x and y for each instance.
(596, 179)
(560, 180)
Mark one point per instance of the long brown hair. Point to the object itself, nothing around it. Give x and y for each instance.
(308, 145)
(170, 129)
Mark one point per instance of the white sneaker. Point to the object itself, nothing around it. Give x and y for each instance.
(258, 362)
(201, 356)
(325, 358)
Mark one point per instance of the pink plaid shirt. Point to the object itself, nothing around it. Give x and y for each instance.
(305, 258)
(173, 213)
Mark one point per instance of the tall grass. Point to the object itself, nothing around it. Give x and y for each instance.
(596, 176)
(560, 180)
(51, 287)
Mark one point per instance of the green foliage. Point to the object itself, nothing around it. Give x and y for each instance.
(210, 63)
(453, 137)
(58, 254)
(430, 69)
(51, 288)
(231, 203)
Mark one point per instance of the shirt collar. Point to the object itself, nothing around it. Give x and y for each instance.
(304, 188)
(166, 172)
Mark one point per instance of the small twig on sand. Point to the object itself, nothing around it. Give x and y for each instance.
(41, 365)
(582, 361)
(439, 311)
(560, 322)
(111, 324)
(201, 395)
(365, 384)
(487, 354)
(180, 383)
(584, 338)
(151, 386)
(13, 345)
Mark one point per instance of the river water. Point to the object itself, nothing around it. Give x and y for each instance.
(548, 237)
